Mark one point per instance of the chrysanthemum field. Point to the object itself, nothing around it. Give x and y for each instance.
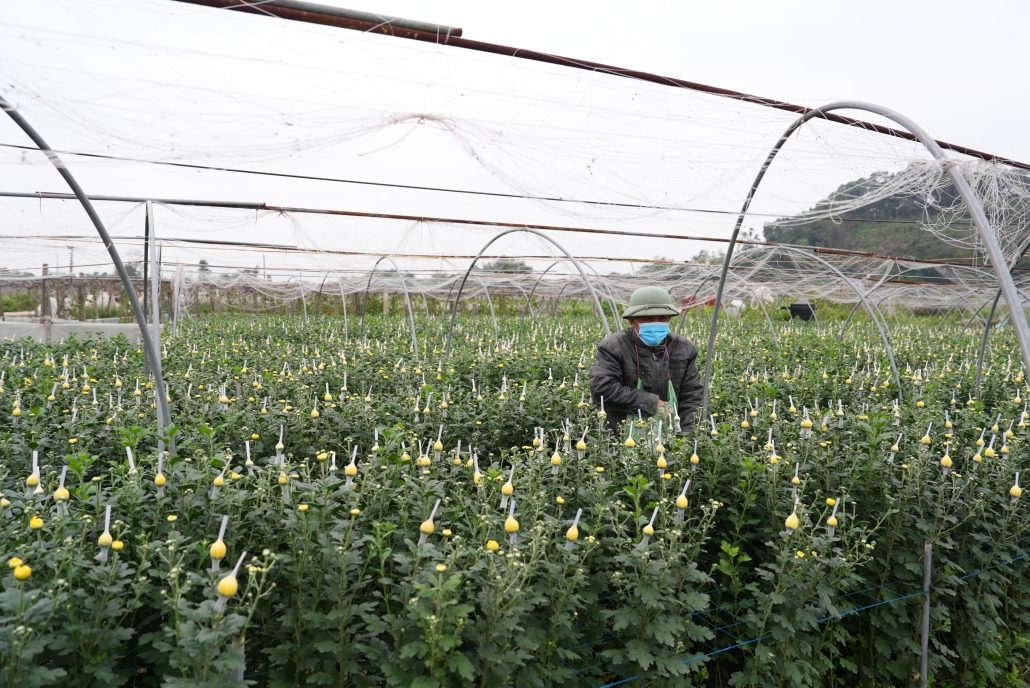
(330, 511)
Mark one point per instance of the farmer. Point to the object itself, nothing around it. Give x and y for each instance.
(646, 368)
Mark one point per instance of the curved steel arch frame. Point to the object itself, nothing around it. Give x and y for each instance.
(865, 302)
(343, 298)
(987, 335)
(683, 314)
(364, 300)
(876, 286)
(407, 302)
(529, 300)
(300, 284)
(489, 302)
(983, 225)
(149, 348)
(990, 317)
(457, 299)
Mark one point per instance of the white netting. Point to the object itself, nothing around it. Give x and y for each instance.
(435, 132)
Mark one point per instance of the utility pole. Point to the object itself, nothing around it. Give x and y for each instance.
(71, 260)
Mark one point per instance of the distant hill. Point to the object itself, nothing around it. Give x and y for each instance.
(886, 227)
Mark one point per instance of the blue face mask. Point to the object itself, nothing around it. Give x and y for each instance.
(653, 334)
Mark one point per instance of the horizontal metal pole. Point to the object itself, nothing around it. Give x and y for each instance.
(477, 223)
(438, 35)
(332, 16)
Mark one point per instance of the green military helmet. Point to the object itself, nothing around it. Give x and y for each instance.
(650, 301)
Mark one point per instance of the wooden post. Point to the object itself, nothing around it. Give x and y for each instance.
(386, 302)
(44, 299)
(60, 292)
(82, 300)
(2, 316)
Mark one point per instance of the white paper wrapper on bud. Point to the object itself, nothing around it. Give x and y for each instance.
(228, 585)
(581, 445)
(508, 488)
(61, 495)
(894, 450)
(217, 549)
(511, 526)
(681, 501)
(427, 527)
(831, 522)
(351, 469)
(572, 534)
(793, 522)
(105, 539)
(648, 530)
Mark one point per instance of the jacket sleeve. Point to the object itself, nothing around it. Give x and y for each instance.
(689, 394)
(606, 381)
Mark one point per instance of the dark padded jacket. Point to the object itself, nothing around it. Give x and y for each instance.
(614, 376)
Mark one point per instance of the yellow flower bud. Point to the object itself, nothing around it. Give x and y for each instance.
(228, 586)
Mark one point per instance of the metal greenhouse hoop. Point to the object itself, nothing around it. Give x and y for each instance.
(149, 346)
(997, 258)
(457, 299)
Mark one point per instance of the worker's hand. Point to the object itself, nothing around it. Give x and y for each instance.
(661, 403)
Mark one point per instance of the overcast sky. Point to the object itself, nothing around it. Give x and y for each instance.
(957, 68)
(161, 80)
